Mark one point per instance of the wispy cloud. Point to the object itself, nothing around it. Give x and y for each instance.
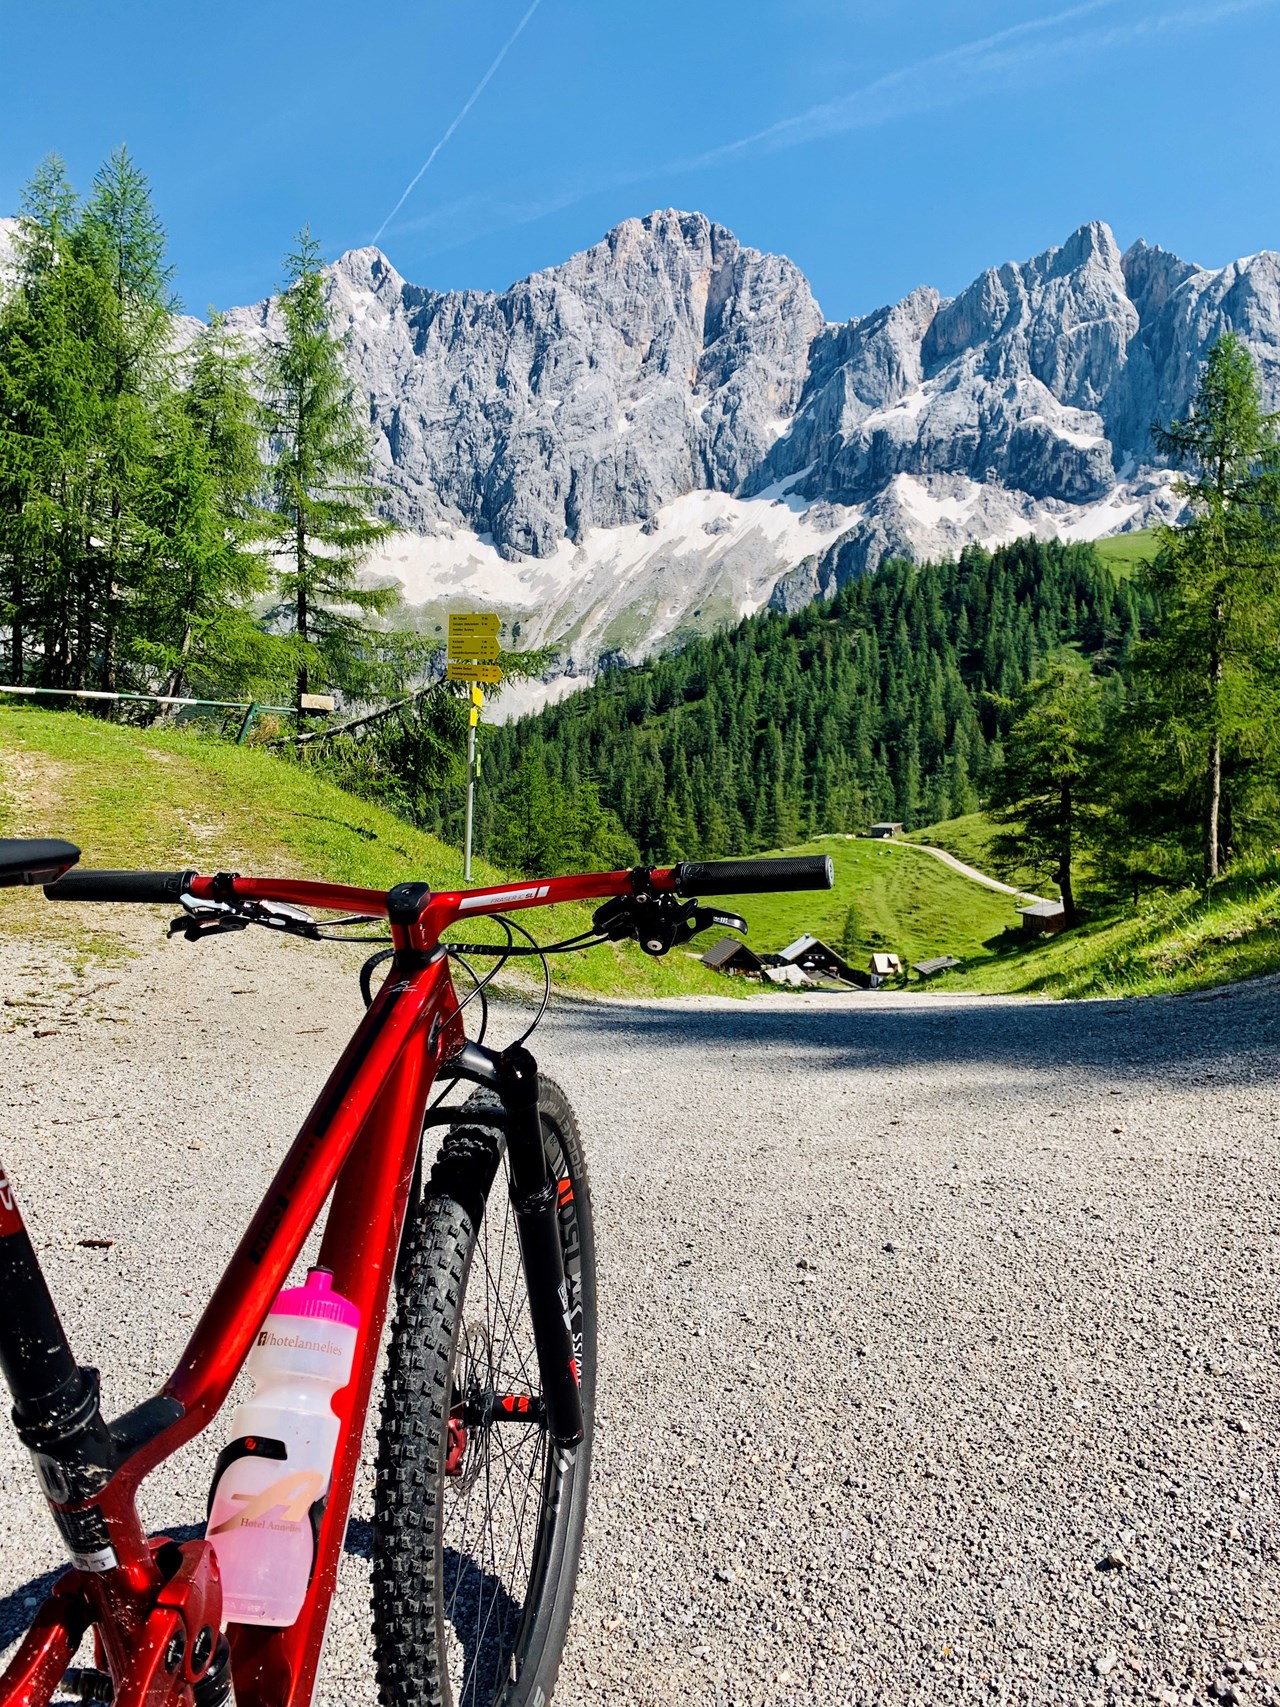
(1021, 56)
(471, 100)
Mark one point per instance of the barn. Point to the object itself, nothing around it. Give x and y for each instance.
(1044, 918)
(733, 958)
(811, 954)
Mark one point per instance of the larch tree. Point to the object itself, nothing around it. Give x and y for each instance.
(1217, 579)
(202, 512)
(323, 489)
(1041, 794)
(121, 238)
(49, 427)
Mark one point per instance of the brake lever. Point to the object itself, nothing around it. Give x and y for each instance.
(209, 918)
(707, 916)
(195, 929)
(659, 922)
(280, 916)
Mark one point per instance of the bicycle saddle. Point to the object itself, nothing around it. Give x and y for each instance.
(35, 861)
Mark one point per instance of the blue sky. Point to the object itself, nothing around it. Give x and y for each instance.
(881, 145)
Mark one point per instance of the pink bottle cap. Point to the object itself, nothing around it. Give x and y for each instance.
(317, 1300)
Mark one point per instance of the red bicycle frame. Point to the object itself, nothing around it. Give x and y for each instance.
(155, 1607)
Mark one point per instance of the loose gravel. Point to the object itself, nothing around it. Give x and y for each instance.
(937, 1349)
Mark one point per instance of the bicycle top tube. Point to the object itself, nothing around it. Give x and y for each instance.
(436, 909)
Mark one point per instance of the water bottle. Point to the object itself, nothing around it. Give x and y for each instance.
(272, 1479)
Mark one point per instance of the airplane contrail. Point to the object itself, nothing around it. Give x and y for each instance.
(470, 102)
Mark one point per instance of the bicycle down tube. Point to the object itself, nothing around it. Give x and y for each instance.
(362, 1134)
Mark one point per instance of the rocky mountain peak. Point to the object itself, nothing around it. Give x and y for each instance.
(661, 432)
(1152, 274)
(662, 360)
(673, 382)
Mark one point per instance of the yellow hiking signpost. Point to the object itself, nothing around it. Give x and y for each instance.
(468, 670)
(471, 656)
(473, 634)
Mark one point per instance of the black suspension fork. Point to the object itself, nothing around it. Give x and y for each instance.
(533, 1200)
(514, 1075)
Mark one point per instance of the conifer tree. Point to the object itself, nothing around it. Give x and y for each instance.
(121, 238)
(201, 509)
(50, 430)
(1217, 577)
(1043, 791)
(322, 485)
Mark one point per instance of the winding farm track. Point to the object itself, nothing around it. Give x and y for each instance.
(970, 871)
(938, 1333)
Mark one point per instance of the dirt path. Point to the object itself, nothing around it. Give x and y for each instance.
(970, 871)
(938, 1333)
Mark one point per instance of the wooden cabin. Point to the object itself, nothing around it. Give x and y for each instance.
(1043, 918)
(811, 954)
(733, 958)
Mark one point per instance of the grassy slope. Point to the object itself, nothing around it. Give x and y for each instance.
(1124, 551)
(904, 900)
(166, 800)
(1188, 941)
(1179, 942)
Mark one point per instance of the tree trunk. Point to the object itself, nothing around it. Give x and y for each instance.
(1064, 867)
(84, 629)
(17, 650)
(1213, 791)
(109, 636)
(173, 686)
(300, 548)
(1213, 809)
(111, 613)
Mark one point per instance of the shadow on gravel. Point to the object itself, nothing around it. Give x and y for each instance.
(18, 1608)
(1229, 1035)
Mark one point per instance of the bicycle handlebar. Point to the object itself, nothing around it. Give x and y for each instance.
(752, 876)
(692, 877)
(160, 886)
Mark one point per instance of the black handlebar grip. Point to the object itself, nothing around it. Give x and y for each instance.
(161, 886)
(753, 876)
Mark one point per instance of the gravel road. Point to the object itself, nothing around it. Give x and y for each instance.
(938, 1359)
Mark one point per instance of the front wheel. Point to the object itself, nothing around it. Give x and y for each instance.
(478, 1516)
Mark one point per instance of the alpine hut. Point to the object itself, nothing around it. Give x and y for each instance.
(733, 958)
(811, 954)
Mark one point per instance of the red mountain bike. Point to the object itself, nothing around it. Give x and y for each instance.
(484, 1448)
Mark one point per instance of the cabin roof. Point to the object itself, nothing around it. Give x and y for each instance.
(727, 949)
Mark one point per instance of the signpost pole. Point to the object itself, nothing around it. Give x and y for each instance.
(471, 798)
(472, 656)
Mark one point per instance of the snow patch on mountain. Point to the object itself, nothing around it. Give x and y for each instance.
(703, 561)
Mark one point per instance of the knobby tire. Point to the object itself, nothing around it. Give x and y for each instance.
(474, 1572)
